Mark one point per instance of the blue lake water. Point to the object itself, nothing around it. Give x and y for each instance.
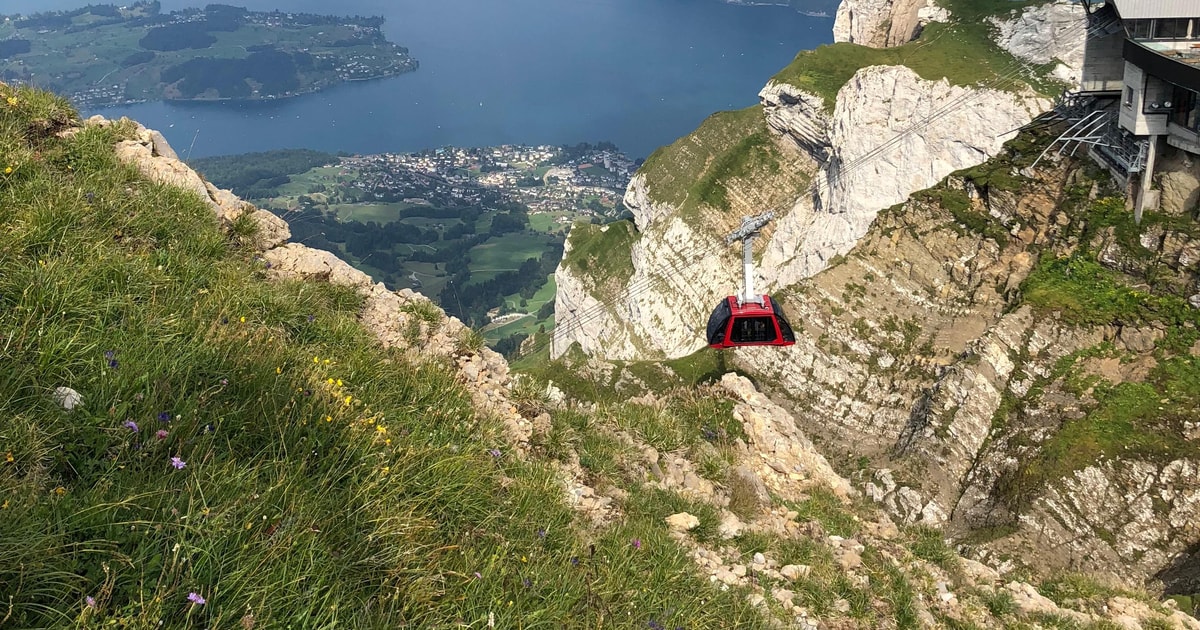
(639, 73)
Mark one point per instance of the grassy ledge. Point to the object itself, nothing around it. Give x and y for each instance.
(963, 53)
(244, 454)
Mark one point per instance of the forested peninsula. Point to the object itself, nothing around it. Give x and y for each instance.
(102, 55)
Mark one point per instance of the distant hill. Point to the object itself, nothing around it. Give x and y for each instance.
(107, 55)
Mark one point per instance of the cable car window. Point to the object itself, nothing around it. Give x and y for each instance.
(753, 330)
(784, 328)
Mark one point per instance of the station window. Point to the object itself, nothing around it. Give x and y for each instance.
(1173, 28)
(1139, 29)
(1186, 108)
(1128, 96)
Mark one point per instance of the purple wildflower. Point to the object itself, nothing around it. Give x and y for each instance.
(90, 601)
(195, 598)
(527, 583)
(164, 416)
(131, 425)
(112, 363)
(478, 575)
(109, 354)
(161, 434)
(654, 625)
(575, 561)
(224, 381)
(178, 463)
(636, 543)
(312, 318)
(541, 533)
(494, 452)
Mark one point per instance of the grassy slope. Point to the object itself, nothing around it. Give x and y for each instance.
(962, 53)
(697, 171)
(368, 501)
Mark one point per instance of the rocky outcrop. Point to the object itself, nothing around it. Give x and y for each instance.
(151, 154)
(1053, 32)
(884, 23)
(788, 461)
(796, 115)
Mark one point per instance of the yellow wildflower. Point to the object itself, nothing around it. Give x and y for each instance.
(339, 382)
(12, 100)
(524, 559)
(8, 170)
(4, 506)
(316, 360)
(242, 319)
(381, 429)
(60, 491)
(278, 370)
(8, 457)
(388, 441)
(204, 512)
(385, 470)
(329, 380)
(348, 399)
(326, 361)
(328, 418)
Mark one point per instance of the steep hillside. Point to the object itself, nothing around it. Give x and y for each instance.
(201, 426)
(986, 348)
(205, 426)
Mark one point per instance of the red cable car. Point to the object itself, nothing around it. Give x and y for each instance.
(748, 319)
(735, 324)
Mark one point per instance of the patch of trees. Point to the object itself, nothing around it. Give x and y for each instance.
(138, 58)
(259, 175)
(13, 47)
(471, 302)
(223, 17)
(274, 71)
(171, 37)
(571, 152)
(514, 220)
(509, 345)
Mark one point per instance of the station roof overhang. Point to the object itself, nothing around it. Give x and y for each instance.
(1148, 9)
(1162, 66)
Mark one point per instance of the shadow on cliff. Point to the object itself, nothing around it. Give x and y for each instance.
(1183, 576)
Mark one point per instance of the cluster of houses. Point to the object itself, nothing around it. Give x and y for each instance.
(523, 173)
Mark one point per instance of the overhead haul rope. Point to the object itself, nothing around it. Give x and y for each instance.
(696, 253)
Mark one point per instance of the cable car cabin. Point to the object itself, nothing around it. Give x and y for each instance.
(734, 326)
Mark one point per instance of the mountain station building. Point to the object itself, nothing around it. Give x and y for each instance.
(1145, 54)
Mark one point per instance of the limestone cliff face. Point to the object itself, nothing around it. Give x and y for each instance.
(1054, 32)
(884, 23)
(890, 133)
